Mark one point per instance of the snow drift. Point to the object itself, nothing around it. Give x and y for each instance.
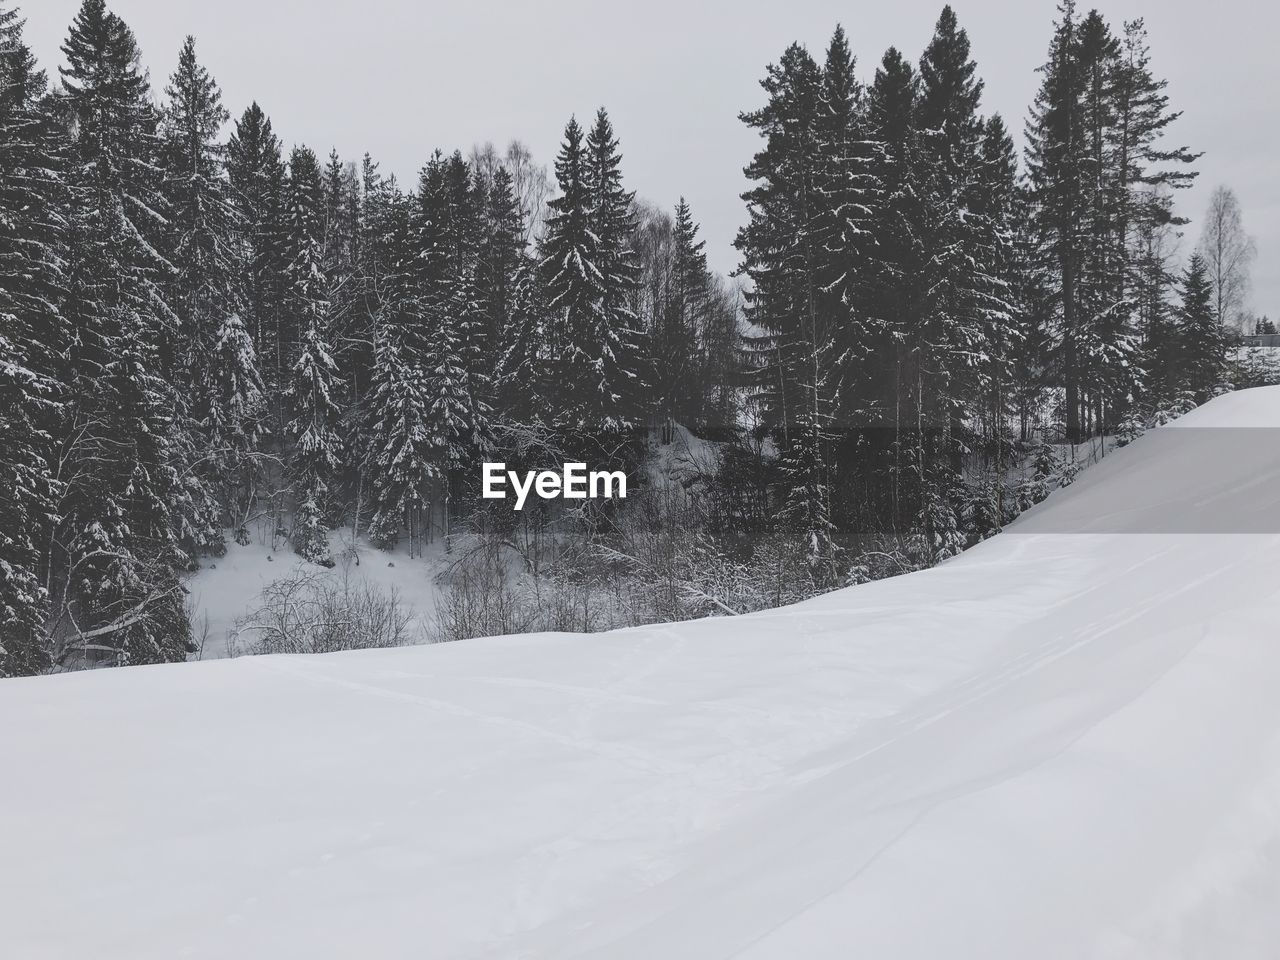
(1058, 745)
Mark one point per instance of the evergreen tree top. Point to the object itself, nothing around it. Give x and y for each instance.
(102, 58)
(950, 92)
(840, 89)
(569, 209)
(195, 102)
(21, 82)
(891, 101)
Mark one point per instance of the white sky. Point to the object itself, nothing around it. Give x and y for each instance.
(401, 77)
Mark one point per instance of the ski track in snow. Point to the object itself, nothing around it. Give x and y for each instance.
(1058, 745)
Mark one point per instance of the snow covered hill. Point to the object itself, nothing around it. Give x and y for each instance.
(1059, 745)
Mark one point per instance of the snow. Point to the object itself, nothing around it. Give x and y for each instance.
(1057, 745)
(229, 588)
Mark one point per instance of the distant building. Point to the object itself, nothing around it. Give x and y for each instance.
(1271, 340)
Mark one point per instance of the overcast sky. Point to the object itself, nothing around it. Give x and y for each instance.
(400, 77)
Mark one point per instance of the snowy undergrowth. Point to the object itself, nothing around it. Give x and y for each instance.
(229, 590)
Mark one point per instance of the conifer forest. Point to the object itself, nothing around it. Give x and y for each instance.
(210, 336)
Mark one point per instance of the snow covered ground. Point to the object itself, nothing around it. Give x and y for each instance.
(228, 588)
(1058, 745)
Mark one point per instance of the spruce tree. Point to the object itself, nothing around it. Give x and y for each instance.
(203, 231)
(256, 171)
(314, 459)
(1058, 167)
(849, 336)
(999, 201)
(678, 366)
(203, 221)
(892, 101)
(1152, 283)
(305, 299)
(806, 499)
(1200, 334)
(966, 315)
(403, 453)
(593, 358)
(524, 385)
(465, 306)
(338, 236)
(235, 419)
(501, 256)
(618, 350)
(776, 246)
(449, 342)
(119, 176)
(124, 557)
(33, 344)
(128, 518)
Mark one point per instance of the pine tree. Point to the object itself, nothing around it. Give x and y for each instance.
(525, 387)
(311, 395)
(371, 205)
(127, 604)
(403, 456)
(1058, 168)
(117, 148)
(806, 499)
(203, 228)
(892, 101)
(678, 366)
(586, 271)
(572, 279)
(1200, 334)
(33, 343)
(234, 424)
(1101, 184)
(501, 256)
(204, 222)
(720, 347)
(1152, 282)
(314, 430)
(618, 351)
(943, 294)
(965, 318)
(1146, 171)
(256, 171)
(777, 252)
(1033, 299)
(465, 308)
(305, 301)
(338, 236)
(450, 344)
(999, 201)
(127, 516)
(850, 338)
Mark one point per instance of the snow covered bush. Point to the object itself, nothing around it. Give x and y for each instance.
(1130, 429)
(1035, 487)
(480, 597)
(317, 612)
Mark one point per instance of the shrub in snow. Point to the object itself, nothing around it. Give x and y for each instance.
(1129, 430)
(317, 612)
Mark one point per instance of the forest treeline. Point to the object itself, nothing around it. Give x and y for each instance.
(200, 334)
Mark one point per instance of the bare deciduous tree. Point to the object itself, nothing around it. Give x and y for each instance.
(1230, 253)
(530, 181)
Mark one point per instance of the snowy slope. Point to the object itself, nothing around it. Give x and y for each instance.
(1059, 745)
